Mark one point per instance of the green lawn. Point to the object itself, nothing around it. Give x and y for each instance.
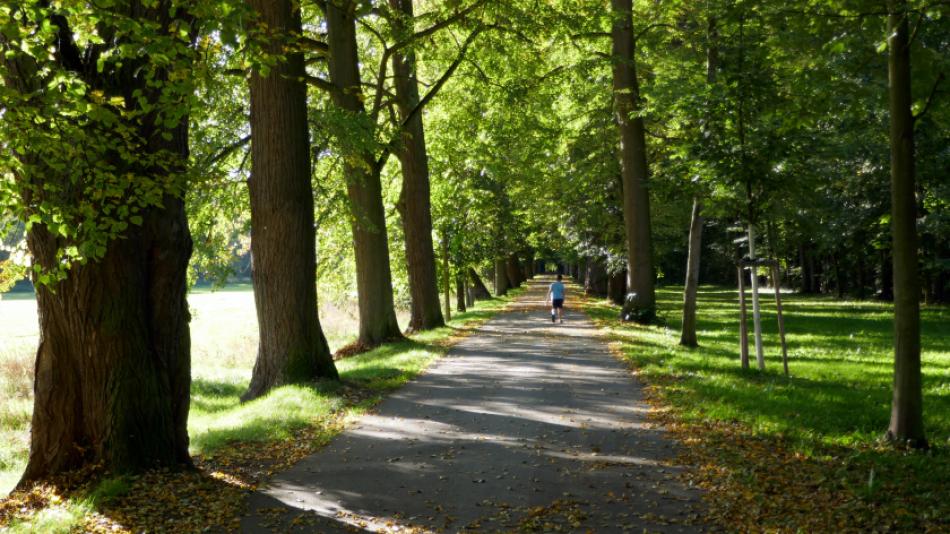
(835, 406)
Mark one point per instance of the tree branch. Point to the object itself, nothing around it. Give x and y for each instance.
(642, 32)
(387, 150)
(314, 45)
(320, 83)
(438, 26)
(228, 150)
(930, 97)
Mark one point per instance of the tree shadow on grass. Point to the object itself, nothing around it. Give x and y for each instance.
(212, 396)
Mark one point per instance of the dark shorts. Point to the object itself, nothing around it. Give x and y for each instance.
(558, 303)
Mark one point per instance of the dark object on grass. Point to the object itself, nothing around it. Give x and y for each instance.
(636, 310)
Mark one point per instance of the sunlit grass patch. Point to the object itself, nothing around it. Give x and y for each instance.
(57, 519)
(218, 418)
(759, 432)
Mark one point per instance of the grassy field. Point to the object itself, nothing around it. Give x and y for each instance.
(224, 345)
(765, 437)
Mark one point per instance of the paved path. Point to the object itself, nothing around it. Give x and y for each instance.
(524, 426)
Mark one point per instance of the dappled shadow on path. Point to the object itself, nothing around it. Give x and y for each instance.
(527, 425)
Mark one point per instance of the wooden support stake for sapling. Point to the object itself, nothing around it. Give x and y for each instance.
(776, 281)
(743, 324)
(756, 310)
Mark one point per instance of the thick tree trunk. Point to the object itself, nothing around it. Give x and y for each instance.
(479, 291)
(414, 202)
(113, 367)
(112, 376)
(633, 158)
(906, 426)
(617, 287)
(501, 277)
(688, 334)
(292, 346)
(364, 188)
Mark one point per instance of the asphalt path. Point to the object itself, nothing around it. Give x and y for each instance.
(525, 426)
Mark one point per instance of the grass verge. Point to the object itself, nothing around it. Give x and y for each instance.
(237, 446)
(797, 454)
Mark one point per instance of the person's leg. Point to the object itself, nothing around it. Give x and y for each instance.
(553, 312)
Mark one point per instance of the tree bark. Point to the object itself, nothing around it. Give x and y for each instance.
(688, 334)
(501, 277)
(414, 201)
(633, 160)
(113, 368)
(364, 188)
(480, 292)
(292, 346)
(906, 425)
(112, 375)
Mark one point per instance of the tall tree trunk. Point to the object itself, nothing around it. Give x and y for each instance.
(414, 202)
(364, 188)
(501, 277)
(292, 346)
(113, 368)
(907, 425)
(688, 334)
(633, 160)
(112, 375)
(480, 292)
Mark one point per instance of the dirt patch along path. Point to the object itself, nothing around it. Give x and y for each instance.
(525, 425)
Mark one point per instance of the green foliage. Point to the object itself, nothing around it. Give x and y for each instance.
(91, 99)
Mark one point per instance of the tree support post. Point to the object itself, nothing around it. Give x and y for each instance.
(777, 282)
(756, 310)
(743, 321)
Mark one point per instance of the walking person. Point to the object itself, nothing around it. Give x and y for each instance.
(556, 298)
